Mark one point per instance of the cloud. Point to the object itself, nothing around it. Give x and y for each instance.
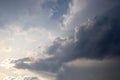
(74, 7)
(80, 11)
(20, 78)
(2, 75)
(86, 69)
(103, 35)
(97, 39)
(52, 63)
(8, 63)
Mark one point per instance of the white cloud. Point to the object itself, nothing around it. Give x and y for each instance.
(8, 63)
(75, 7)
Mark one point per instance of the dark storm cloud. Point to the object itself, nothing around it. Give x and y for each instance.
(102, 38)
(98, 39)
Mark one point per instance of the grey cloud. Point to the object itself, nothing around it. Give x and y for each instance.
(31, 78)
(102, 38)
(99, 41)
(23, 59)
(52, 64)
(90, 70)
(90, 9)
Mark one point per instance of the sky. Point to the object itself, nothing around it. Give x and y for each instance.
(59, 40)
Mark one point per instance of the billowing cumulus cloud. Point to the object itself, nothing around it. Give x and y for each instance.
(81, 10)
(97, 40)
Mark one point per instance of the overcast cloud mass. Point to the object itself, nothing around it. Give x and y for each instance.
(59, 40)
